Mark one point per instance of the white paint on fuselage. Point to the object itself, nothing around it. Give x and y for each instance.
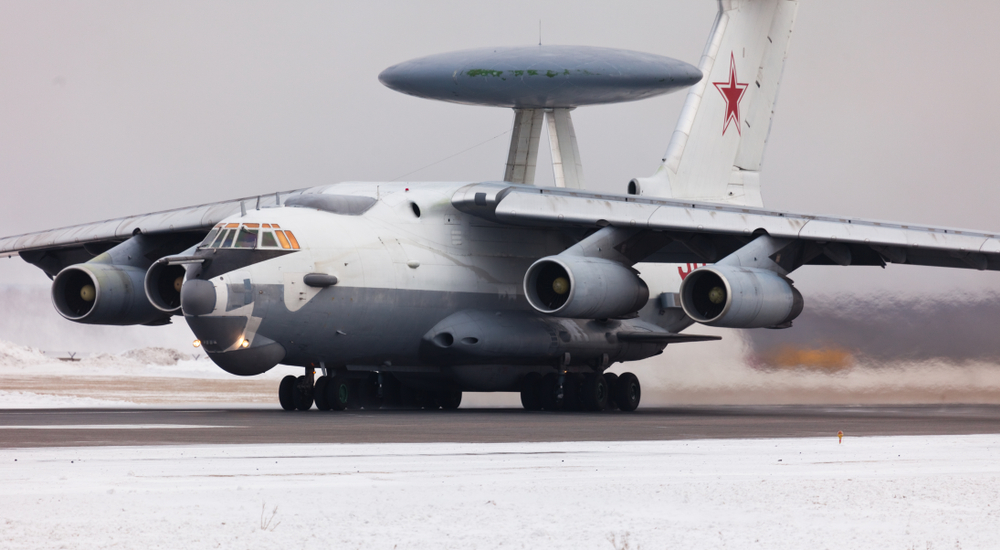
(390, 247)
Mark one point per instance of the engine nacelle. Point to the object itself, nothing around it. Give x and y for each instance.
(162, 285)
(103, 294)
(584, 288)
(739, 297)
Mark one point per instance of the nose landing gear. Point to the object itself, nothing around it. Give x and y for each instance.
(295, 393)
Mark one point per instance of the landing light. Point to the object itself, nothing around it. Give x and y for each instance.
(245, 343)
(196, 343)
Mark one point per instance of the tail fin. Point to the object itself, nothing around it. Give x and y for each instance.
(716, 151)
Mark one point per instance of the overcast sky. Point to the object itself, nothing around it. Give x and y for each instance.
(887, 109)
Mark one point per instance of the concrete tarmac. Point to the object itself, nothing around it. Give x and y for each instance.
(179, 426)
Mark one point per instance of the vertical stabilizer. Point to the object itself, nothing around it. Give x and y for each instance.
(717, 148)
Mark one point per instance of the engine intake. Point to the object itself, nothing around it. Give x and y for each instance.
(162, 285)
(739, 297)
(584, 288)
(103, 294)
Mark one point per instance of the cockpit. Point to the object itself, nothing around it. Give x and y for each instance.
(250, 235)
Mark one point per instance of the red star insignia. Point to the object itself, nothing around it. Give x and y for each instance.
(732, 92)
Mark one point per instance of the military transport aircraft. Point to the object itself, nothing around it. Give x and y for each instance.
(411, 293)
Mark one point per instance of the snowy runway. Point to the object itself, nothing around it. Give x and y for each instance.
(873, 492)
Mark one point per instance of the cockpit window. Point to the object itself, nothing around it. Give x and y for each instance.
(282, 239)
(211, 237)
(250, 235)
(247, 238)
(227, 239)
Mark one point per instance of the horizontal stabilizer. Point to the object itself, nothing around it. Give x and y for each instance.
(664, 337)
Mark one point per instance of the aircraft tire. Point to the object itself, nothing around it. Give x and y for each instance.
(594, 394)
(354, 399)
(392, 397)
(611, 379)
(449, 400)
(531, 386)
(548, 396)
(368, 393)
(428, 400)
(573, 392)
(628, 392)
(302, 394)
(285, 393)
(319, 393)
(338, 392)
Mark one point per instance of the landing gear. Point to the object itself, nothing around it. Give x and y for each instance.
(302, 393)
(550, 392)
(594, 396)
(285, 391)
(319, 393)
(575, 392)
(611, 379)
(449, 400)
(627, 392)
(340, 393)
(530, 386)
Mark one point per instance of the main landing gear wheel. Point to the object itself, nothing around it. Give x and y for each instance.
(319, 393)
(594, 395)
(449, 400)
(549, 395)
(302, 394)
(368, 390)
(530, 386)
(627, 392)
(573, 392)
(339, 392)
(612, 381)
(285, 393)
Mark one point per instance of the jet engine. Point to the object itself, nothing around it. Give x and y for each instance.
(103, 294)
(163, 286)
(739, 297)
(579, 287)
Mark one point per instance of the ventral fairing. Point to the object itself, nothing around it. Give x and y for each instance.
(408, 294)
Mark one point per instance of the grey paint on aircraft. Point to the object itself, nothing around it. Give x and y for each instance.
(540, 76)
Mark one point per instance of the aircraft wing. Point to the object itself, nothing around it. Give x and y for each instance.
(712, 231)
(55, 248)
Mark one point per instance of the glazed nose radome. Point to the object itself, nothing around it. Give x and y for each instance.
(197, 297)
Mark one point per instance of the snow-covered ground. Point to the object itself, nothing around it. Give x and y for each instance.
(877, 492)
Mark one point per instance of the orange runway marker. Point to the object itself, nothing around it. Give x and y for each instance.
(840, 436)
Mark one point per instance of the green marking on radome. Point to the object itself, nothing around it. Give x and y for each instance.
(483, 72)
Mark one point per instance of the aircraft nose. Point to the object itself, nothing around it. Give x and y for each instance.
(198, 297)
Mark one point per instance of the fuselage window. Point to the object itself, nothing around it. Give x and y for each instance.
(267, 239)
(247, 238)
